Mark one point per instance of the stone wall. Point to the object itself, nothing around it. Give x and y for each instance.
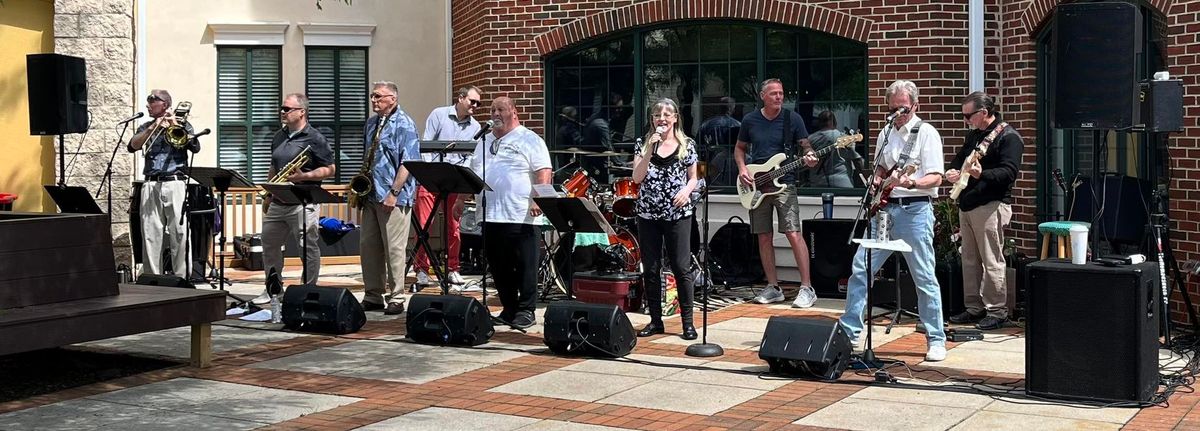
(101, 31)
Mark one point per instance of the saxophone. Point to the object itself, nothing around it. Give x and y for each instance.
(287, 171)
(361, 186)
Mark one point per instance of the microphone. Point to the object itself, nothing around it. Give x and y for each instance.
(660, 130)
(483, 128)
(134, 117)
(896, 113)
(202, 133)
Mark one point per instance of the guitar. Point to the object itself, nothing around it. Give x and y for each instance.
(766, 175)
(976, 155)
(880, 198)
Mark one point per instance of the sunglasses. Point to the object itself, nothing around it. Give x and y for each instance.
(967, 116)
(474, 102)
(152, 99)
(287, 109)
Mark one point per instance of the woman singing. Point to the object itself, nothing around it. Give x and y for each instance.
(665, 169)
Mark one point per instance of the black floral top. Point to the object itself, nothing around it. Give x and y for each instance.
(664, 178)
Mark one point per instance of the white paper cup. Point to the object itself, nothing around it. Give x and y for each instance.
(1079, 244)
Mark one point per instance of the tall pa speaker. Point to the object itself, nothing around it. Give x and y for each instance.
(832, 260)
(592, 329)
(816, 347)
(1092, 331)
(58, 94)
(332, 310)
(448, 320)
(1095, 78)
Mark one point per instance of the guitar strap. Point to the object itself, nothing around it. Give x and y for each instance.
(788, 143)
(992, 136)
(908, 147)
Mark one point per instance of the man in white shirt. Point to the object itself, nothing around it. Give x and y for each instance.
(910, 209)
(511, 160)
(448, 123)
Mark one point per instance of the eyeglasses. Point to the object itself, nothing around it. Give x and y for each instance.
(377, 96)
(152, 99)
(287, 109)
(474, 102)
(967, 116)
(662, 115)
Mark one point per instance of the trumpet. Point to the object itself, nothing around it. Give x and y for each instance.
(292, 167)
(176, 135)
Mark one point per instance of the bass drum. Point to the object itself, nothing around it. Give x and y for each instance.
(625, 194)
(624, 248)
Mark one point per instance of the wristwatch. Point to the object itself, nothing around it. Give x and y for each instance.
(394, 192)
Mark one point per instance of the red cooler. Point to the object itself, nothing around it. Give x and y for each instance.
(618, 288)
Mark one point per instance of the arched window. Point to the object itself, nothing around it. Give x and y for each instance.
(599, 93)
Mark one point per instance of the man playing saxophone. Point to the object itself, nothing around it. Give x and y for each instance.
(162, 195)
(383, 190)
(300, 155)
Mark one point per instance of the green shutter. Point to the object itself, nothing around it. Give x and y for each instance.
(248, 98)
(336, 84)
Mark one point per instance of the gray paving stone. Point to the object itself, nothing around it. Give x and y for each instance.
(870, 415)
(408, 370)
(632, 369)
(548, 425)
(968, 356)
(325, 361)
(931, 396)
(745, 324)
(1040, 408)
(995, 421)
(571, 385)
(272, 405)
(176, 343)
(683, 397)
(727, 339)
(443, 419)
(731, 374)
(77, 414)
(174, 393)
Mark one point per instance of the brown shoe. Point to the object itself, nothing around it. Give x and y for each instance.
(371, 306)
(394, 308)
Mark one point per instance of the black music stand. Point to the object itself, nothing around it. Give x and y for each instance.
(301, 194)
(576, 214)
(73, 199)
(442, 147)
(221, 179)
(441, 179)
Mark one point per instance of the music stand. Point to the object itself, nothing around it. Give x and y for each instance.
(442, 147)
(221, 179)
(576, 214)
(73, 199)
(301, 194)
(441, 179)
(896, 245)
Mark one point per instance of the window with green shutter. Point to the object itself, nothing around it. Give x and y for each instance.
(336, 84)
(248, 99)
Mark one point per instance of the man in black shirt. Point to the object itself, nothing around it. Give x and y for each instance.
(281, 219)
(984, 210)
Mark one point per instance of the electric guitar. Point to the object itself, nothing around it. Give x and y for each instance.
(884, 192)
(766, 175)
(976, 155)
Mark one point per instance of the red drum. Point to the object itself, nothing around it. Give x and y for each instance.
(626, 244)
(625, 193)
(578, 185)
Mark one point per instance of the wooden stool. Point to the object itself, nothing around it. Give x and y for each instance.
(1061, 230)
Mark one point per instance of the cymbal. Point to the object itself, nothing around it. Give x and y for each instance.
(610, 154)
(572, 150)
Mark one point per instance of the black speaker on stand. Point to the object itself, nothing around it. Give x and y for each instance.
(1095, 47)
(332, 310)
(593, 329)
(448, 320)
(815, 347)
(58, 99)
(1092, 331)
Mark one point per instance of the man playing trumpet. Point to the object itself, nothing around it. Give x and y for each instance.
(300, 148)
(162, 195)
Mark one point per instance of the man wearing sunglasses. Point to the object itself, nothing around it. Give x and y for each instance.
(165, 188)
(448, 123)
(281, 220)
(984, 209)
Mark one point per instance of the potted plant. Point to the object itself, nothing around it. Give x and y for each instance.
(946, 243)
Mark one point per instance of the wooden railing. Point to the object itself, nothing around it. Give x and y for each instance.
(243, 211)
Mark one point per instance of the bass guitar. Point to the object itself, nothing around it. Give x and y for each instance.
(766, 175)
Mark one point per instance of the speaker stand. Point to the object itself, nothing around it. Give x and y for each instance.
(62, 161)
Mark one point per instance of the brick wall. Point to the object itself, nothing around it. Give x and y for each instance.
(499, 45)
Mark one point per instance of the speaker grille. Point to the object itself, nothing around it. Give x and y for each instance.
(1095, 45)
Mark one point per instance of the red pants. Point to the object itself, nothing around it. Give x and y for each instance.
(424, 205)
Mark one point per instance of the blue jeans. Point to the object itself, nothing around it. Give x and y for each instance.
(912, 223)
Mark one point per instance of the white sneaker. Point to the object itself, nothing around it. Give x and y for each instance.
(936, 353)
(423, 279)
(805, 298)
(473, 287)
(769, 294)
(262, 299)
(456, 278)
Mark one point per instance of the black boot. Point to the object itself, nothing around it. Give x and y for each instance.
(653, 328)
(689, 331)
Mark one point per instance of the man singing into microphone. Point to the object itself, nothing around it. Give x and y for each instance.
(162, 196)
(448, 123)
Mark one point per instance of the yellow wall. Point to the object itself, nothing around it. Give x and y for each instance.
(26, 162)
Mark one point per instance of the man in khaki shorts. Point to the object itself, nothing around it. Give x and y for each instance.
(765, 133)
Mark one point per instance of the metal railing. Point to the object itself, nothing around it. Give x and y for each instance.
(243, 211)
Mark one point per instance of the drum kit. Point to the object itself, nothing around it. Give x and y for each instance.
(617, 200)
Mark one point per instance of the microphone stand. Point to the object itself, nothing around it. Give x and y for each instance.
(704, 349)
(108, 172)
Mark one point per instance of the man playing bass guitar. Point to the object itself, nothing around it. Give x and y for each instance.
(906, 141)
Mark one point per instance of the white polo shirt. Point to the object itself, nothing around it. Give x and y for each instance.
(510, 173)
(928, 149)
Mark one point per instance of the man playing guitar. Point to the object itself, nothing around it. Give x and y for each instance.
(765, 133)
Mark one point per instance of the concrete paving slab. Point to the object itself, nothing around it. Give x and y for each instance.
(176, 343)
(995, 421)
(408, 370)
(443, 419)
(932, 396)
(971, 356)
(731, 374)
(869, 415)
(1041, 408)
(571, 385)
(549, 425)
(684, 397)
(726, 338)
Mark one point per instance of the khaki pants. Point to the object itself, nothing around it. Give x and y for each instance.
(982, 231)
(282, 221)
(162, 207)
(383, 246)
